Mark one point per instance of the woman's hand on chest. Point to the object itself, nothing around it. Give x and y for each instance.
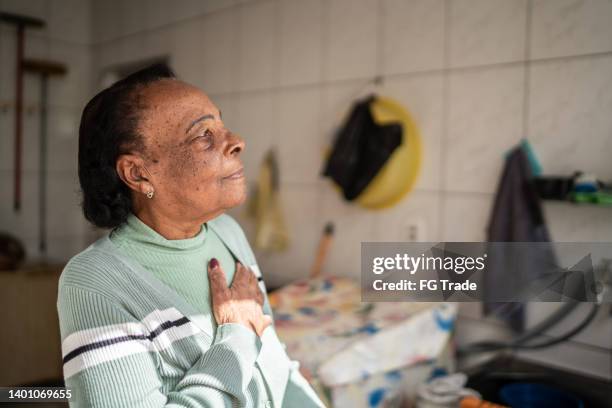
(239, 303)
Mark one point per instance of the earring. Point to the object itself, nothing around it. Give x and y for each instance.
(150, 194)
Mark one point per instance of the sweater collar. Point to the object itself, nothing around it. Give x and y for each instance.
(137, 232)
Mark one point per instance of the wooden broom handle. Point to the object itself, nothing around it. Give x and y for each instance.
(324, 245)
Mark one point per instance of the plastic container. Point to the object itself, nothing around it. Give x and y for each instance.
(553, 188)
(532, 395)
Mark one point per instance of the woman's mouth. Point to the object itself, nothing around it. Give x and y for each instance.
(236, 175)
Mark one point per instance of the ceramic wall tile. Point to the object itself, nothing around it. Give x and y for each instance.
(578, 223)
(465, 216)
(570, 27)
(258, 45)
(69, 21)
(351, 51)
(300, 141)
(413, 35)
(569, 115)
(485, 121)
(414, 218)
(257, 126)
(218, 48)
(301, 41)
(487, 31)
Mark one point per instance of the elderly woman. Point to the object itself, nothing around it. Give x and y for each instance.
(146, 315)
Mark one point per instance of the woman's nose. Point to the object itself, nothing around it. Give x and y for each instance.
(235, 144)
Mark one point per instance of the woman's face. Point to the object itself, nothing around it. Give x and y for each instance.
(192, 159)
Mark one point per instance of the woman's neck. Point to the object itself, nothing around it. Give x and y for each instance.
(169, 228)
(175, 224)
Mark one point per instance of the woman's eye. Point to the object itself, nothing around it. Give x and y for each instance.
(206, 136)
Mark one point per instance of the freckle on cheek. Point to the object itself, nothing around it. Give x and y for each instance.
(183, 161)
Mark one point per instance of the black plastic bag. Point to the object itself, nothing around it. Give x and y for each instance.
(361, 149)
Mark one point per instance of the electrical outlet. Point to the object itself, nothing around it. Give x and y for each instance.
(414, 231)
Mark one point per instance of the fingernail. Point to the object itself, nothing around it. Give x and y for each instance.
(214, 263)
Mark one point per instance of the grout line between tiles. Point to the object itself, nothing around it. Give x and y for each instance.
(177, 22)
(527, 70)
(409, 75)
(445, 125)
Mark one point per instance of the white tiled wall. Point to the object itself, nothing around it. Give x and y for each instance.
(484, 121)
(412, 35)
(486, 31)
(478, 75)
(301, 23)
(67, 39)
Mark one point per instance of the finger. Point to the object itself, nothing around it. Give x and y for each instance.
(250, 278)
(265, 322)
(216, 276)
(259, 293)
(251, 274)
(259, 297)
(253, 285)
(262, 324)
(240, 276)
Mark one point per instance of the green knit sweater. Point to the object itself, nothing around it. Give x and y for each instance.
(137, 328)
(181, 263)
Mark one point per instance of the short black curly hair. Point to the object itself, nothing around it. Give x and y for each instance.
(108, 129)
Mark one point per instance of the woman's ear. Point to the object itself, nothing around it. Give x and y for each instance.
(130, 169)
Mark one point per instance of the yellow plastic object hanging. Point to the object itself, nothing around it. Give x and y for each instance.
(399, 174)
(264, 206)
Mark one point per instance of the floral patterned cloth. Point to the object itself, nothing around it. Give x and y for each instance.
(359, 351)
